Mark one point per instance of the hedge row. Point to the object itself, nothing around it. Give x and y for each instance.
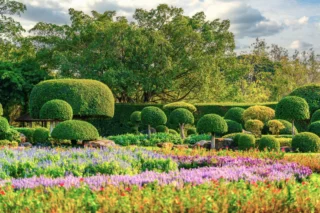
(120, 123)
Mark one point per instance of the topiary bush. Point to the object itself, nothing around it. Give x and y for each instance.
(75, 130)
(270, 143)
(176, 105)
(192, 139)
(311, 93)
(287, 128)
(56, 110)
(212, 123)
(162, 128)
(4, 124)
(254, 126)
(315, 116)
(292, 108)
(88, 98)
(246, 142)
(173, 132)
(153, 116)
(28, 132)
(315, 128)
(10, 135)
(233, 126)
(306, 142)
(135, 117)
(41, 135)
(235, 114)
(275, 126)
(261, 113)
(181, 117)
(192, 131)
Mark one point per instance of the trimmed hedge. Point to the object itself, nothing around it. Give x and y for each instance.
(292, 108)
(173, 132)
(287, 128)
(315, 116)
(275, 126)
(315, 128)
(153, 116)
(28, 132)
(306, 142)
(135, 117)
(254, 126)
(88, 98)
(233, 126)
(181, 116)
(311, 93)
(269, 143)
(235, 114)
(212, 123)
(261, 113)
(4, 124)
(75, 130)
(162, 128)
(176, 105)
(192, 139)
(41, 135)
(56, 110)
(246, 142)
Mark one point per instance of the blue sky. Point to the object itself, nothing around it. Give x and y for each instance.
(293, 24)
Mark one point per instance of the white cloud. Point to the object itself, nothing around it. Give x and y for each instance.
(297, 44)
(303, 20)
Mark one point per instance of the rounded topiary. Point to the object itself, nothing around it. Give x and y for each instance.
(181, 117)
(41, 135)
(315, 116)
(162, 128)
(153, 116)
(311, 93)
(4, 124)
(246, 141)
(176, 105)
(212, 123)
(75, 130)
(235, 114)
(172, 131)
(261, 113)
(254, 126)
(135, 117)
(287, 127)
(269, 143)
(191, 131)
(275, 126)
(27, 132)
(233, 126)
(56, 110)
(315, 128)
(292, 108)
(306, 142)
(88, 98)
(1, 110)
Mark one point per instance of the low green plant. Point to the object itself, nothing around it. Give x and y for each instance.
(315, 128)
(315, 116)
(173, 132)
(152, 117)
(269, 143)
(192, 139)
(235, 114)
(181, 117)
(41, 135)
(246, 142)
(254, 126)
(56, 110)
(28, 132)
(191, 131)
(233, 126)
(306, 142)
(176, 105)
(261, 113)
(275, 126)
(162, 128)
(4, 124)
(10, 135)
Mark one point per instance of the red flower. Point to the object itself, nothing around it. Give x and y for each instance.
(101, 188)
(61, 184)
(128, 189)
(12, 186)
(81, 179)
(122, 194)
(2, 193)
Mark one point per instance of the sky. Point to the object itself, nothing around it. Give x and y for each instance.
(293, 24)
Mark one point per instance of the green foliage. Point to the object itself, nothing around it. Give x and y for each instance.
(235, 137)
(176, 105)
(162, 128)
(233, 126)
(270, 143)
(56, 110)
(75, 130)
(41, 135)
(315, 128)
(10, 135)
(275, 126)
(1, 110)
(235, 114)
(246, 142)
(306, 142)
(285, 141)
(254, 126)
(135, 117)
(142, 140)
(287, 127)
(173, 132)
(4, 142)
(191, 131)
(4, 125)
(292, 108)
(311, 93)
(181, 116)
(212, 123)
(192, 139)
(88, 98)
(315, 116)
(153, 116)
(261, 113)
(28, 132)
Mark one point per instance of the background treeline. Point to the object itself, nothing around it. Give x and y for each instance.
(158, 56)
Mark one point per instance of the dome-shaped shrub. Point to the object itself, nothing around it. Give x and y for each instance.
(181, 117)
(269, 143)
(235, 114)
(233, 126)
(162, 128)
(287, 127)
(4, 124)
(88, 98)
(176, 105)
(153, 116)
(173, 132)
(191, 131)
(315, 116)
(1, 110)
(306, 142)
(275, 126)
(56, 110)
(254, 126)
(311, 93)
(261, 113)
(135, 117)
(212, 123)
(41, 135)
(75, 130)
(246, 141)
(315, 128)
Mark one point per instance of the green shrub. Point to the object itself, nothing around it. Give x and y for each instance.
(28, 132)
(181, 117)
(311, 93)
(306, 142)
(235, 114)
(4, 125)
(285, 141)
(10, 135)
(56, 110)
(162, 128)
(173, 132)
(270, 143)
(153, 116)
(287, 128)
(233, 126)
(75, 130)
(315, 116)
(246, 142)
(192, 131)
(41, 135)
(4, 142)
(261, 113)
(275, 126)
(192, 139)
(254, 126)
(315, 128)
(135, 117)
(176, 105)
(88, 98)
(235, 137)
(1, 110)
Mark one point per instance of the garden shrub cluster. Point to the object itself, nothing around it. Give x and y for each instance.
(261, 113)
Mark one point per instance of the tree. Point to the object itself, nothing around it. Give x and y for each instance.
(181, 117)
(153, 116)
(292, 108)
(214, 124)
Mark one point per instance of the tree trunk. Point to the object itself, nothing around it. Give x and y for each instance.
(182, 131)
(74, 143)
(149, 131)
(293, 129)
(213, 141)
(51, 127)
